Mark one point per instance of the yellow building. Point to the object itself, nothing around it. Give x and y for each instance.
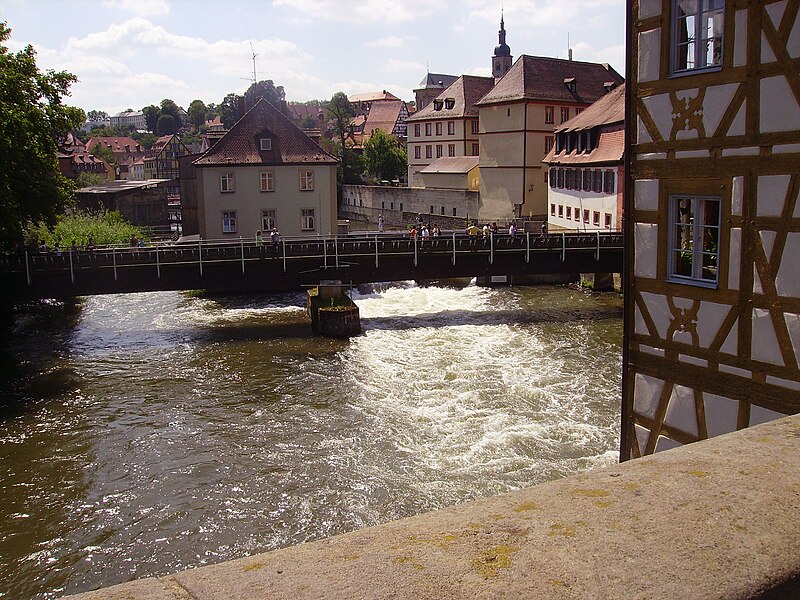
(712, 298)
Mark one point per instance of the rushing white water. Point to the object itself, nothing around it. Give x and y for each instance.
(162, 431)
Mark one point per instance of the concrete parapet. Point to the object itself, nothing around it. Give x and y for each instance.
(714, 519)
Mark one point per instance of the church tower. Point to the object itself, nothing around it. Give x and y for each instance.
(501, 61)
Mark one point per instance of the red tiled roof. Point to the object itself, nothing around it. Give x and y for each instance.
(457, 164)
(382, 95)
(465, 92)
(608, 109)
(610, 149)
(540, 78)
(240, 145)
(383, 115)
(117, 145)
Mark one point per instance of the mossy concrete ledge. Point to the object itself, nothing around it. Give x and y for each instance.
(715, 519)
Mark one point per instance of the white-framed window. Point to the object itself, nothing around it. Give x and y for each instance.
(229, 221)
(596, 218)
(560, 211)
(586, 215)
(226, 182)
(439, 128)
(569, 213)
(266, 143)
(549, 115)
(697, 28)
(307, 219)
(451, 149)
(694, 239)
(417, 151)
(267, 181)
(476, 149)
(455, 211)
(564, 113)
(428, 129)
(451, 128)
(548, 143)
(438, 151)
(607, 217)
(552, 210)
(268, 220)
(475, 127)
(306, 181)
(416, 130)
(428, 151)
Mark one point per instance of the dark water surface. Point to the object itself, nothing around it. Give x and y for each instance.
(144, 434)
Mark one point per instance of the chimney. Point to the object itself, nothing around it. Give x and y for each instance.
(241, 107)
(570, 53)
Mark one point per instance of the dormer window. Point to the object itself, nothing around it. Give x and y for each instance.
(266, 144)
(438, 104)
(449, 103)
(571, 83)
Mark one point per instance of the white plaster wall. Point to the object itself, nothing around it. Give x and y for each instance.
(787, 281)
(709, 318)
(721, 414)
(579, 200)
(681, 412)
(649, 8)
(660, 109)
(646, 194)
(649, 55)
(784, 112)
(765, 343)
(645, 250)
(646, 394)
(740, 39)
(658, 309)
(734, 258)
(772, 195)
(715, 103)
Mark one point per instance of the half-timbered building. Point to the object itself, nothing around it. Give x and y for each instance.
(712, 303)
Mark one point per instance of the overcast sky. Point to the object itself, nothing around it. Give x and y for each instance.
(131, 53)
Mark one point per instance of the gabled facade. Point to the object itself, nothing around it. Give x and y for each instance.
(447, 127)
(712, 299)
(161, 161)
(125, 149)
(263, 173)
(73, 164)
(586, 167)
(517, 118)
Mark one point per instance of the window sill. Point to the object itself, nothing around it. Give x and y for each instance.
(698, 71)
(704, 283)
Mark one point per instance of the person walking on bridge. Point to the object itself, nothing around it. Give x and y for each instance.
(275, 238)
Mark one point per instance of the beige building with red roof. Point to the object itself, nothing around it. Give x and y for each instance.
(517, 118)
(264, 173)
(586, 167)
(447, 127)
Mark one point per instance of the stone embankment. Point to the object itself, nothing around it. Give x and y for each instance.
(715, 519)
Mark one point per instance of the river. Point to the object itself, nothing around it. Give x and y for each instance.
(144, 434)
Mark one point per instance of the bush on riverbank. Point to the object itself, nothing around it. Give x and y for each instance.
(107, 227)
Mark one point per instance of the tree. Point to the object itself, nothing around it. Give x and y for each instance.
(168, 107)
(151, 114)
(96, 115)
(268, 91)
(89, 179)
(32, 118)
(385, 158)
(308, 122)
(229, 110)
(341, 113)
(167, 125)
(105, 153)
(197, 113)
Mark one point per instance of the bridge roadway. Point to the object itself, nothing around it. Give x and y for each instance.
(241, 266)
